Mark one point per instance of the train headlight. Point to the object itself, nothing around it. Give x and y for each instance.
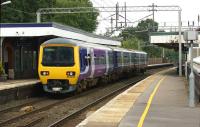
(71, 73)
(44, 73)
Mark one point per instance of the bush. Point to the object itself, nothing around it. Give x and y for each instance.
(2, 71)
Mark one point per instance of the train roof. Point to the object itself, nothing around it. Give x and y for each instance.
(127, 50)
(120, 49)
(60, 41)
(75, 43)
(85, 44)
(141, 52)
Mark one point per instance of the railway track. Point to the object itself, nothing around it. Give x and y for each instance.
(41, 109)
(22, 105)
(34, 122)
(9, 121)
(63, 120)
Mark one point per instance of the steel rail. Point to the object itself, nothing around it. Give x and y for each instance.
(44, 108)
(33, 123)
(21, 105)
(61, 121)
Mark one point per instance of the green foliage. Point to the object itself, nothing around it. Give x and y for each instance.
(153, 51)
(141, 31)
(132, 43)
(148, 24)
(138, 38)
(171, 55)
(2, 71)
(20, 11)
(86, 21)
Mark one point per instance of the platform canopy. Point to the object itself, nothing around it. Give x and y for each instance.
(52, 29)
(168, 39)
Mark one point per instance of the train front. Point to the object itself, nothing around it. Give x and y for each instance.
(58, 66)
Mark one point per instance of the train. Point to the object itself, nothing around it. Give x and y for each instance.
(67, 65)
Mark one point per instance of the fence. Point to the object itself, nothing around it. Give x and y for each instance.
(156, 61)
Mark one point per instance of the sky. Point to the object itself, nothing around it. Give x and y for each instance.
(190, 11)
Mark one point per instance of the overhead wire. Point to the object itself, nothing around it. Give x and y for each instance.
(103, 18)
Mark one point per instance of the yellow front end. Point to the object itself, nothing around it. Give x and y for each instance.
(59, 73)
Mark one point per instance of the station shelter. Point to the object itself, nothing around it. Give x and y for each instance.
(20, 44)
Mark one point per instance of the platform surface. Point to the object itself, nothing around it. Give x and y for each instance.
(9, 84)
(169, 106)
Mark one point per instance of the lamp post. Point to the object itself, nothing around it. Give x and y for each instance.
(190, 36)
(6, 2)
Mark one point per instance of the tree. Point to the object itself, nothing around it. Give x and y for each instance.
(153, 51)
(132, 43)
(139, 37)
(20, 11)
(141, 31)
(86, 21)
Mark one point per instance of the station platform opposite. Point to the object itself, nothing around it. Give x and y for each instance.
(9, 84)
(19, 89)
(161, 100)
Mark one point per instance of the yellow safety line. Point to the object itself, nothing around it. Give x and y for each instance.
(142, 118)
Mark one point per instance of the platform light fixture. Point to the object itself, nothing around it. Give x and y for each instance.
(6, 2)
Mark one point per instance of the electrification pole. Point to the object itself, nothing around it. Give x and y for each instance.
(180, 43)
(111, 22)
(153, 14)
(125, 14)
(117, 15)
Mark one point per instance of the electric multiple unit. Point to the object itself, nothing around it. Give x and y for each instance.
(67, 65)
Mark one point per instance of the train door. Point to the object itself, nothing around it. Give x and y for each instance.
(115, 59)
(110, 61)
(85, 62)
(107, 62)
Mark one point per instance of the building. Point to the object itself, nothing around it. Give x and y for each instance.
(20, 43)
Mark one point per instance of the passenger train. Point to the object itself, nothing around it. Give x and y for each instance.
(67, 65)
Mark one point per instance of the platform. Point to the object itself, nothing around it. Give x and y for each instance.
(9, 84)
(19, 89)
(160, 100)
